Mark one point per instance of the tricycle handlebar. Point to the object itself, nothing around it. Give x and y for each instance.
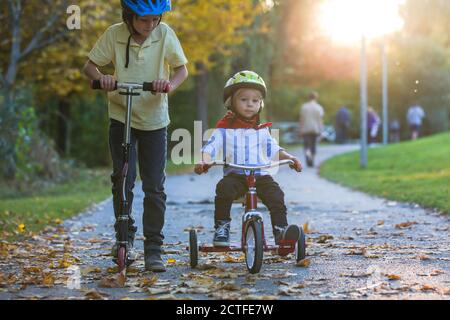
(266, 166)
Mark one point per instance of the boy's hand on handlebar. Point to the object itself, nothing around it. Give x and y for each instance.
(202, 168)
(107, 82)
(297, 164)
(161, 86)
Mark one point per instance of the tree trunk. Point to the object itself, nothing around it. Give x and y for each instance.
(201, 89)
(8, 134)
(63, 137)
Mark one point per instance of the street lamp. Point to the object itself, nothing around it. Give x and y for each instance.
(363, 105)
(347, 21)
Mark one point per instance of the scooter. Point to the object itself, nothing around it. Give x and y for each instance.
(122, 256)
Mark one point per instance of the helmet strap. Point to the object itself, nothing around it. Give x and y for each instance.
(134, 31)
(128, 52)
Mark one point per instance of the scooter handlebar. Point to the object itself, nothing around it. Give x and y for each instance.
(146, 86)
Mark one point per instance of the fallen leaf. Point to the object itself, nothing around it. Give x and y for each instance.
(303, 263)
(232, 259)
(48, 280)
(171, 261)
(306, 227)
(117, 281)
(405, 225)
(324, 238)
(90, 270)
(148, 282)
(32, 270)
(206, 266)
(94, 295)
(393, 277)
(427, 287)
(357, 252)
(228, 286)
(21, 228)
(380, 223)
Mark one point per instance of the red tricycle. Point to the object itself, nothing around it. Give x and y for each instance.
(253, 242)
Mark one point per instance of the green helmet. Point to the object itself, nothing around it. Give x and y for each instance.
(244, 79)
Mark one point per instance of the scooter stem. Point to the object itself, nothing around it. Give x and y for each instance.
(127, 132)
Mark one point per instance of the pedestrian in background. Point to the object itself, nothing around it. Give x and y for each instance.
(311, 126)
(415, 117)
(342, 123)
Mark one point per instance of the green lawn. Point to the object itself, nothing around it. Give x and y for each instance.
(414, 171)
(48, 207)
(22, 215)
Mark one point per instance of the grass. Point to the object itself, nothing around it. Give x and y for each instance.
(30, 213)
(27, 213)
(415, 171)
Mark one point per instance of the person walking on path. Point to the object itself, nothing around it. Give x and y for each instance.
(373, 123)
(142, 49)
(342, 123)
(415, 117)
(311, 126)
(394, 129)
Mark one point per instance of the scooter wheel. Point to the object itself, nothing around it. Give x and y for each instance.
(253, 246)
(121, 258)
(193, 248)
(300, 248)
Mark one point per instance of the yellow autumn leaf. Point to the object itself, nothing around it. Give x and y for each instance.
(21, 228)
(171, 261)
(306, 227)
(48, 280)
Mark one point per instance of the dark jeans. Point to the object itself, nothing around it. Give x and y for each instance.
(309, 142)
(341, 133)
(233, 186)
(151, 147)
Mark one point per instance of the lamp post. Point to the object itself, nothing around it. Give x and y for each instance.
(384, 81)
(363, 107)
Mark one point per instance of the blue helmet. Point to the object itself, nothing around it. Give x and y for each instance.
(146, 7)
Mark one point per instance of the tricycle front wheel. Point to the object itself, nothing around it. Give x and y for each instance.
(253, 246)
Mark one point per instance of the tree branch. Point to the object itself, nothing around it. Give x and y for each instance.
(36, 43)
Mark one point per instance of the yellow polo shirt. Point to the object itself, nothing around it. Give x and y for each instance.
(150, 61)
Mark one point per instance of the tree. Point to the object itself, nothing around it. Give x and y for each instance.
(43, 30)
(206, 28)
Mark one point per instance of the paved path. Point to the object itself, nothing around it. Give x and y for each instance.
(359, 247)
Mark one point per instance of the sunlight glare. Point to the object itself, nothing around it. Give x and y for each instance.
(347, 20)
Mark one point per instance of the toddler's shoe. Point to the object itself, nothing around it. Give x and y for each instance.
(290, 232)
(222, 234)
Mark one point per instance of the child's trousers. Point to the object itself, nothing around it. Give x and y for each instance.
(233, 186)
(151, 147)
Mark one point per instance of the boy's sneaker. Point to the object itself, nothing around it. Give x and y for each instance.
(290, 232)
(222, 234)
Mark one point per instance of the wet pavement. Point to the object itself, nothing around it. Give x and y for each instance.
(359, 247)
